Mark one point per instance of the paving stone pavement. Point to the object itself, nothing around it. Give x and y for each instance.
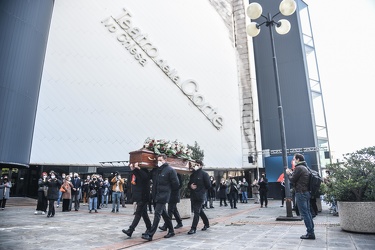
(247, 227)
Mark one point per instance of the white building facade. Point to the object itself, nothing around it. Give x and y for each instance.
(119, 72)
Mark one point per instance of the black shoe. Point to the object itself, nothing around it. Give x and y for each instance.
(178, 226)
(113, 211)
(96, 211)
(163, 228)
(52, 215)
(308, 237)
(169, 235)
(147, 237)
(192, 231)
(75, 209)
(117, 211)
(235, 207)
(205, 227)
(282, 206)
(211, 206)
(147, 232)
(128, 232)
(226, 205)
(90, 211)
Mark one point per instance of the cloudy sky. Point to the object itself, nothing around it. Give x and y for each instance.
(344, 36)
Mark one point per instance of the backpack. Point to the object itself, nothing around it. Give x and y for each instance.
(314, 182)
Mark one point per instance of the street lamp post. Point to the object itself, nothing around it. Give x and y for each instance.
(254, 11)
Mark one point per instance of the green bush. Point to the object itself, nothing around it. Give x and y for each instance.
(354, 178)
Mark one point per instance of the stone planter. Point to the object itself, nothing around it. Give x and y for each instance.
(184, 208)
(357, 216)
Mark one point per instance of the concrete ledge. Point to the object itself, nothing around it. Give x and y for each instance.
(357, 216)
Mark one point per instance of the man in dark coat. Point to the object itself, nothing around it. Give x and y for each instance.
(172, 206)
(263, 190)
(76, 190)
(300, 178)
(198, 184)
(164, 180)
(140, 186)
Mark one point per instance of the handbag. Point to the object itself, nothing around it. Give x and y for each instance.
(62, 189)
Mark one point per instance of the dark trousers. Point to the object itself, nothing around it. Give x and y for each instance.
(282, 196)
(75, 197)
(3, 202)
(65, 206)
(221, 201)
(160, 211)
(198, 212)
(263, 197)
(232, 196)
(51, 207)
(141, 212)
(314, 207)
(42, 202)
(172, 211)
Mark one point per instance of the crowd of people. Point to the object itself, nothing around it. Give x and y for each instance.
(161, 186)
(70, 190)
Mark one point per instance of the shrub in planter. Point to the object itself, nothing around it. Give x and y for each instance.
(354, 178)
(352, 183)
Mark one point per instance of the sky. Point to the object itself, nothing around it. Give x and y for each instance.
(344, 37)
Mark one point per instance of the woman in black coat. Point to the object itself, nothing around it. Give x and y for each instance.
(223, 192)
(54, 185)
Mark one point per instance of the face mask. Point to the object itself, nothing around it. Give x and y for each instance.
(88, 178)
(52, 176)
(44, 176)
(63, 176)
(75, 176)
(196, 168)
(160, 163)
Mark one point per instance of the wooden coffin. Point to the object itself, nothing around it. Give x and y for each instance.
(148, 159)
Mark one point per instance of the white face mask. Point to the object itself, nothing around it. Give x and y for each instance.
(52, 176)
(160, 163)
(63, 176)
(196, 167)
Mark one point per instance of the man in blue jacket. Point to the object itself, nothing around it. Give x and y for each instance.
(164, 179)
(198, 184)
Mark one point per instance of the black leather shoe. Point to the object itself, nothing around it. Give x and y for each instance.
(308, 237)
(146, 237)
(163, 228)
(178, 226)
(169, 235)
(192, 231)
(205, 228)
(128, 232)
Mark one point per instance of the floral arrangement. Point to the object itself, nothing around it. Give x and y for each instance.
(170, 148)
